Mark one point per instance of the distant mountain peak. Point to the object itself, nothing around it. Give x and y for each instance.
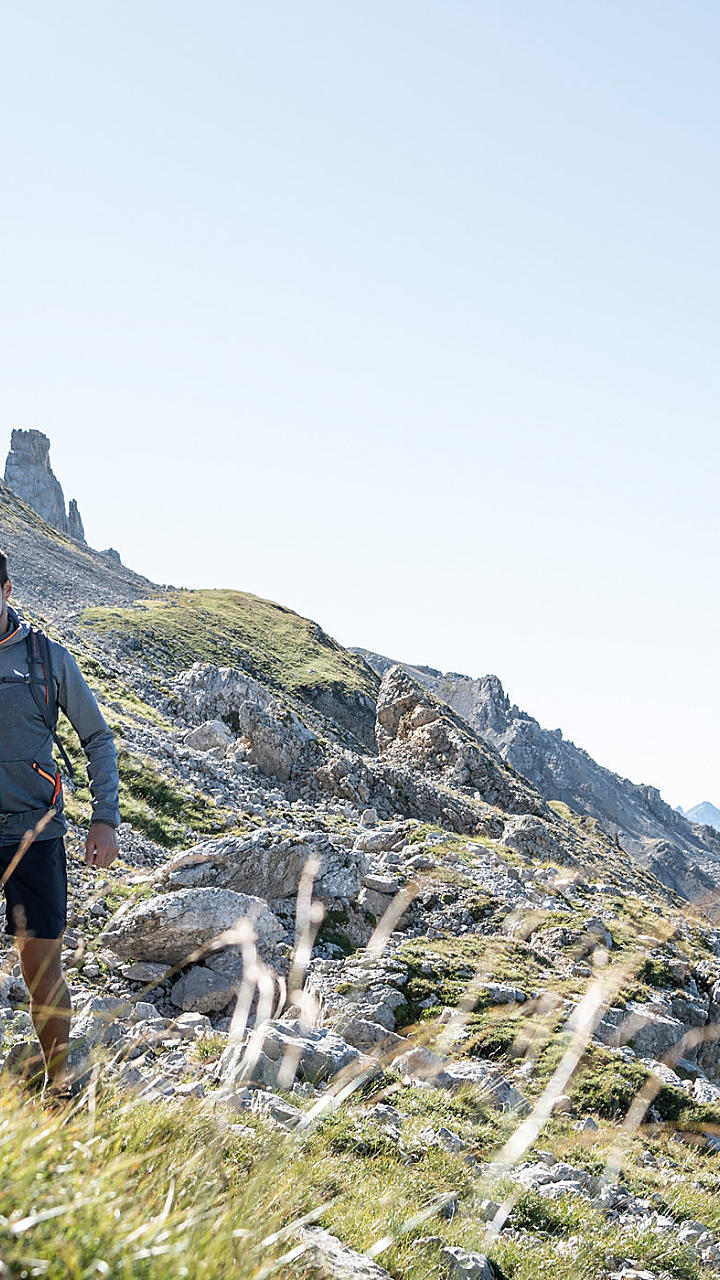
(705, 814)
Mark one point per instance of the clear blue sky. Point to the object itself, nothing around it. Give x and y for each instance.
(402, 314)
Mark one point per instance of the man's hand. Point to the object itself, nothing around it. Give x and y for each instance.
(101, 846)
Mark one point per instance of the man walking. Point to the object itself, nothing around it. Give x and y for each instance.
(32, 824)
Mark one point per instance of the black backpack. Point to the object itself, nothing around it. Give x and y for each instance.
(42, 686)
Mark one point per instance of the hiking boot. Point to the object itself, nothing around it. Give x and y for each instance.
(58, 1097)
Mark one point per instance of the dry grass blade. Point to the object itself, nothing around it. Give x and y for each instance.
(392, 915)
(311, 1216)
(287, 1259)
(33, 1219)
(430, 1211)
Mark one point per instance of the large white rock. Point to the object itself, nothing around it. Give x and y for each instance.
(289, 1047)
(390, 836)
(268, 865)
(274, 736)
(370, 1037)
(212, 733)
(328, 1256)
(649, 1029)
(97, 1020)
(465, 1265)
(169, 926)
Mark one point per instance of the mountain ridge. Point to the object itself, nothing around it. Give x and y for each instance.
(682, 853)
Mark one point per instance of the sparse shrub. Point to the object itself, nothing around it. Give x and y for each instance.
(605, 1085)
(534, 1212)
(499, 1036)
(208, 1047)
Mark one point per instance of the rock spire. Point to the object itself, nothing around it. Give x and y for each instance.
(30, 476)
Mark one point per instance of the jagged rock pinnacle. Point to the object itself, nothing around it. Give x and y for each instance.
(29, 474)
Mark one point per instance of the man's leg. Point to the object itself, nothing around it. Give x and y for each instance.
(50, 1004)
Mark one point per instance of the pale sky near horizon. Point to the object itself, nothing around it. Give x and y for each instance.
(402, 315)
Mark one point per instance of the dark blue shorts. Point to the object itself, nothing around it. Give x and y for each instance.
(36, 891)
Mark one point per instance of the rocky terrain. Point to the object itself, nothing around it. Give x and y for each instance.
(55, 574)
(682, 850)
(443, 1010)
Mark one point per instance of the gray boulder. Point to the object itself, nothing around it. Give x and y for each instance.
(380, 839)
(98, 1020)
(287, 1049)
(202, 990)
(369, 1037)
(651, 1032)
(144, 971)
(462, 1264)
(212, 733)
(503, 993)
(268, 865)
(704, 1091)
(209, 987)
(169, 926)
(328, 1256)
(424, 1065)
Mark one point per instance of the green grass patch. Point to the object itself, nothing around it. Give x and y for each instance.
(157, 805)
(235, 628)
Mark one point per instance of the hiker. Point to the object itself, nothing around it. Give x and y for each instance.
(33, 870)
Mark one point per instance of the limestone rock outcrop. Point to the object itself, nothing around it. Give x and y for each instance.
(272, 734)
(29, 474)
(268, 864)
(676, 847)
(285, 1048)
(414, 726)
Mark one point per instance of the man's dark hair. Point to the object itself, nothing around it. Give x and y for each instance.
(3, 568)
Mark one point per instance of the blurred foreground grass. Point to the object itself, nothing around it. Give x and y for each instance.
(166, 1189)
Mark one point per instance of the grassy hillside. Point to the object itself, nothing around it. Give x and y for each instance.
(234, 628)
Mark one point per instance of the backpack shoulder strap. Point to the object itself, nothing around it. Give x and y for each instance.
(42, 686)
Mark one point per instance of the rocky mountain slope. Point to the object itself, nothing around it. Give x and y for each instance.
(55, 575)
(416, 1018)
(682, 850)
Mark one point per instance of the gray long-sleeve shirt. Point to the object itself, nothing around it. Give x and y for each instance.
(29, 778)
